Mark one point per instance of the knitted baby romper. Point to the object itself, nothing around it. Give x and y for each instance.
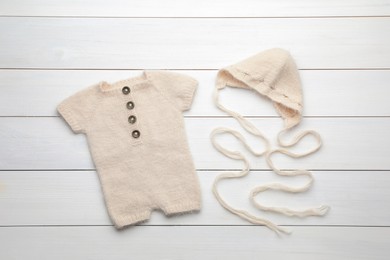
(136, 135)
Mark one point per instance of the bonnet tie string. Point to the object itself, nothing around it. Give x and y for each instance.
(267, 152)
(319, 211)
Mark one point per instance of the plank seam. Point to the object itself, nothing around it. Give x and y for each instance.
(200, 225)
(197, 17)
(223, 116)
(180, 69)
(202, 170)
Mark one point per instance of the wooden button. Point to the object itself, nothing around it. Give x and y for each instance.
(125, 90)
(130, 105)
(136, 134)
(132, 119)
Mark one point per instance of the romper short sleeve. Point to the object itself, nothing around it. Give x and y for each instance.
(78, 108)
(176, 87)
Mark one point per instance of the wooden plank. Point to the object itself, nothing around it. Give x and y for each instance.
(190, 8)
(326, 92)
(75, 198)
(349, 143)
(190, 43)
(193, 243)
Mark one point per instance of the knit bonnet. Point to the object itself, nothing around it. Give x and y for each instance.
(274, 75)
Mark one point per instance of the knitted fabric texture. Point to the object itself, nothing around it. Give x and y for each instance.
(273, 74)
(136, 135)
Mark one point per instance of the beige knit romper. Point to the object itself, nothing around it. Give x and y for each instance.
(136, 135)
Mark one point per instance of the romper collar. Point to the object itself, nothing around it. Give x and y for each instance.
(134, 82)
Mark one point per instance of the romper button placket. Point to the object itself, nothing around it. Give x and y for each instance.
(132, 119)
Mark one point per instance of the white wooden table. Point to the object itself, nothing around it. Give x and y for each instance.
(51, 204)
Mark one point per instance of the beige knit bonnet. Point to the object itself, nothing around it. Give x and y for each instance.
(273, 74)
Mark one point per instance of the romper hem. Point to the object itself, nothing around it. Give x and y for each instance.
(181, 208)
(132, 219)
